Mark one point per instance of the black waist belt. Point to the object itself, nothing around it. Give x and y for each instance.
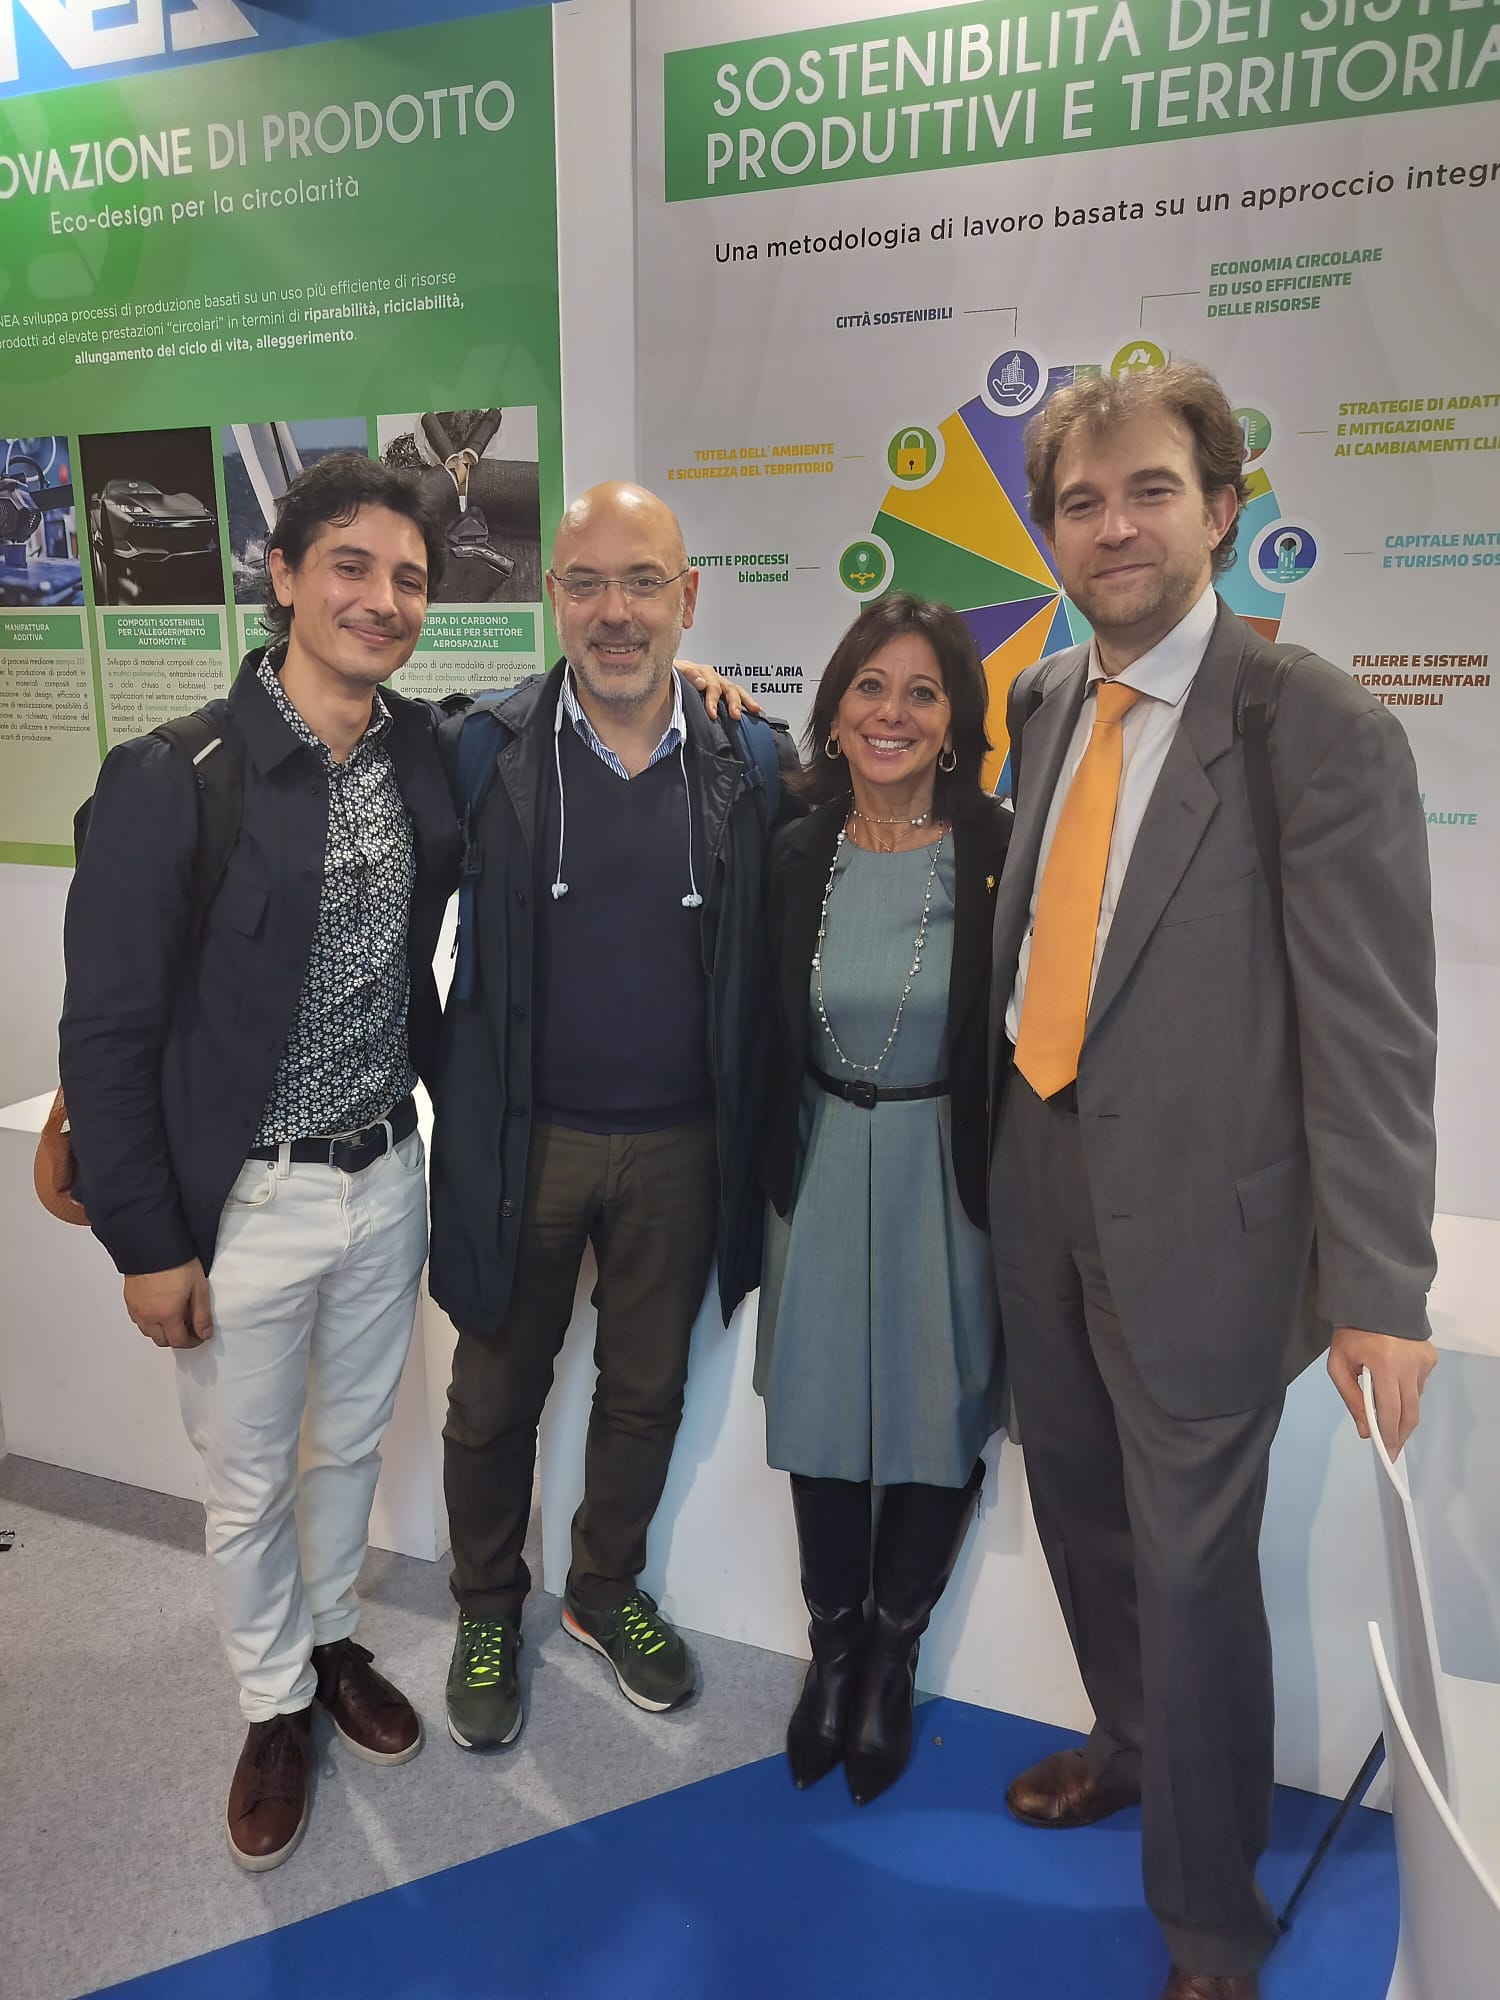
(868, 1095)
(355, 1150)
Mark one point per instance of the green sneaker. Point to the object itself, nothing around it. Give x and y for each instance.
(484, 1693)
(652, 1665)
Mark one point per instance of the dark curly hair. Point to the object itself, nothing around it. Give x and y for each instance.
(824, 780)
(1102, 404)
(333, 490)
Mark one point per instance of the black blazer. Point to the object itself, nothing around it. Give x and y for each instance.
(801, 856)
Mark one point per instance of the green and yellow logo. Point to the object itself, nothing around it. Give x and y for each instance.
(912, 453)
(864, 568)
(1137, 357)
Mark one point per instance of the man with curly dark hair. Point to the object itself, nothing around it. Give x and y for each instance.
(239, 1082)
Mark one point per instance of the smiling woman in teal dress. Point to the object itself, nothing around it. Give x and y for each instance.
(879, 1353)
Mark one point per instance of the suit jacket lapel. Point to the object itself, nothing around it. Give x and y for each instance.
(978, 852)
(1178, 813)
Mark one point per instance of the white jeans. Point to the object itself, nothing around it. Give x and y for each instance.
(313, 1290)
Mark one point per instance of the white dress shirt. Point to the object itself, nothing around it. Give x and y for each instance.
(1163, 677)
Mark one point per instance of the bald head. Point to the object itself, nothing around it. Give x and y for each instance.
(620, 641)
(620, 507)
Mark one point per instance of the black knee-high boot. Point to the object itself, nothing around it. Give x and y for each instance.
(833, 1540)
(921, 1531)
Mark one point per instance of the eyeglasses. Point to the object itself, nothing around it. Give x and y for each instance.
(582, 588)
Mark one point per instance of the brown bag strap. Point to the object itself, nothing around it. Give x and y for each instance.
(54, 1168)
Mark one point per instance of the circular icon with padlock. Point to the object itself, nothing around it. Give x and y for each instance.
(912, 455)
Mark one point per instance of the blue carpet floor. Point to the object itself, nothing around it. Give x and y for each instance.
(740, 1886)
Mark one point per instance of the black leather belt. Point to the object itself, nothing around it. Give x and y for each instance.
(868, 1095)
(355, 1151)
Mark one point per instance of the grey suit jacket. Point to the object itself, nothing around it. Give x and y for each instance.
(1256, 1118)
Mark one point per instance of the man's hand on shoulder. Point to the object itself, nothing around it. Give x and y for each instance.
(1398, 1370)
(171, 1307)
(713, 687)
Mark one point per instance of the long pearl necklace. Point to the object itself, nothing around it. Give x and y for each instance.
(916, 956)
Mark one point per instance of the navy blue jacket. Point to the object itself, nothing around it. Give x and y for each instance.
(167, 1059)
(482, 1097)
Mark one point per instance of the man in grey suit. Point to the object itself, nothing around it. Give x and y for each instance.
(1214, 1144)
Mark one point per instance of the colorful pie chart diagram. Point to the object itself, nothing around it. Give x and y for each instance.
(963, 538)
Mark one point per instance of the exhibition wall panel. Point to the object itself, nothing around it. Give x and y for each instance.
(217, 273)
(874, 237)
(236, 238)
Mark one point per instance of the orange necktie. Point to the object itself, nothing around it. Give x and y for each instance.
(1055, 1004)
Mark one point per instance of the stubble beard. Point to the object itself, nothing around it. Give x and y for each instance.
(1171, 596)
(643, 687)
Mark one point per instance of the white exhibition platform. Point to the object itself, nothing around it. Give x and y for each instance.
(79, 1387)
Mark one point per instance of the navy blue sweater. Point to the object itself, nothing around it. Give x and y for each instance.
(622, 995)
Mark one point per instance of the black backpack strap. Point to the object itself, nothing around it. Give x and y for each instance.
(200, 741)
(1257, 692)
(754, 740)
(1036, 694)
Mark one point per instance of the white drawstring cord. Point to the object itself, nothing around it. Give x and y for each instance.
(692, 901)
(559, 886)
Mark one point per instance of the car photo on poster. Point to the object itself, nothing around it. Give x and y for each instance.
(152, 530)
(38, 526)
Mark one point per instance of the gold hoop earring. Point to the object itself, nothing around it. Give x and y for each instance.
(952, 756)
(831, 749)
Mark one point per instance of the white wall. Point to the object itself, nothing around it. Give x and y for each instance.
(31, 977)
(594, 48)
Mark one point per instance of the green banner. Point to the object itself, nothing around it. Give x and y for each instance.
(50, 632)
(163, 631)
(377, 211)
(215, 277)
(1017, 79)
(479, 631)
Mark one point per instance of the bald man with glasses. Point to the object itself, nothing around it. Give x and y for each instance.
(598, 1081)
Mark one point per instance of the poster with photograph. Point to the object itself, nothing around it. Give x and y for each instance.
(155, 556)
(47, 733)
(478, 470)
(243, 275)
(39, 563)
(260, 462)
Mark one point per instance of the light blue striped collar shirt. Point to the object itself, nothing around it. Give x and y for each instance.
(673, 736)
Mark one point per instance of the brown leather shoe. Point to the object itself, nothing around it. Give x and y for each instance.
(376, 1720)
(1210, 1986)
(1061, 1791)
(268, 1798)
